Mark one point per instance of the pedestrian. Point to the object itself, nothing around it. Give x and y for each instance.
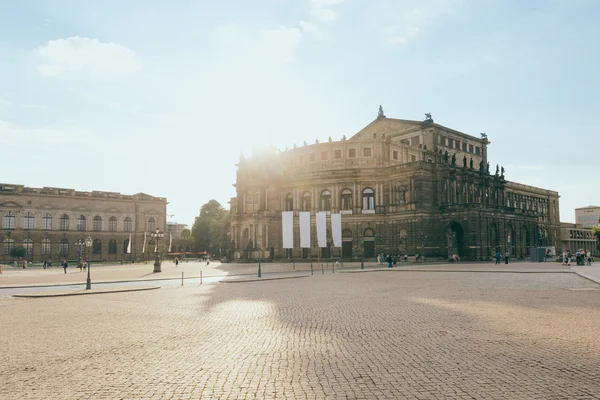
(568, 257)
(45, 264)
(65, 266)
(389, 261)
(84, 264)
(498, 256)
(589, 258)
(0, 268)
(176, 261)
(80, 266)
(24, 264)
(506, 258)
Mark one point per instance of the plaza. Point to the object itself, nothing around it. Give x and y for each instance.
(413, 332)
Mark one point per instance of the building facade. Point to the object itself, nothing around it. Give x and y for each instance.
(48, 222)
(174, 229)
(588, 216)
(574, 238)
(402, 187)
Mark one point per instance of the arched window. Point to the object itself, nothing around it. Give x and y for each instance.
(347, 233)
(368, 199)
(112, 246)
(151, 225)
(47, 222)
(97, 246)
(8, 245)
(97, 224)
(346, 199)
(9, 220)
(127, 225)
(125, 246)
(306, 201)
(46, 247)
(289, 202)
(81, 223)
(112, 224)
(63, 247)
(369, 233)
(325, 200)
(28, 244)
(28, 221)
(64, 222)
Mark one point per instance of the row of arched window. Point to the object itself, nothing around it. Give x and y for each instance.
(306, 201)
(64, 223)
(63, 246)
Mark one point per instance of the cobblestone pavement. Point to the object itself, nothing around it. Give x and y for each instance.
(412, 335)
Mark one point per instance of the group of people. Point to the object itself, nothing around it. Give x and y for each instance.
(390, 259)
(582, 257)
(498, 257)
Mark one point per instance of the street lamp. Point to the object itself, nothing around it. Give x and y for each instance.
(156, 236)
(88, 244)
(80, 243)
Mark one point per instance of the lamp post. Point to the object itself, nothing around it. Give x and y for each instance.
(80, 243)
(88, 282)
(156, 236)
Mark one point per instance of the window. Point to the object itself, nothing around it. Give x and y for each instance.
(46, 247)
(326, 200)
(112, 224)
(337, 154)
(63, 247)
(395, 154)
(323, 156)
(28, 244)
(464, 146)
(470, 148)
(306, 201)
(367, 152)
(64, 222)
(9, 220)
(97, 224)
(368, 233)
(351, 153)
(151, 225)
(477, 150)
(443, 140)
(346, 199)
(127, 225)
(28, 221)
(8, 245)
(346, 233)
(289, 202)
(47, 222)
(112, 246)
(368, 199)
(97, 247)
(81, 223)
(311, 157)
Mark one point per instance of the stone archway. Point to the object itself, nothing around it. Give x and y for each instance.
(455, 239)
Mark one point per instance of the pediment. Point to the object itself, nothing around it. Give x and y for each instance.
(385, 126)
(151, 211)
(11, 204)
(79, 208)
(112, 210)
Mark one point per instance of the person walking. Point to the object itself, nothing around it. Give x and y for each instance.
(588, 258)
(176, 261)
(65, 266)
(497, 256)
(568, 257)
(45, 264)
(24, 264)
(506, 258)
(0, 268)
(389, 261)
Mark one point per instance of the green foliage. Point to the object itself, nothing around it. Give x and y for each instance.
(210, 227)
(596, 231)
(17, 252)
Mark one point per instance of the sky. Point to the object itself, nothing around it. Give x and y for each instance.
(163, 97)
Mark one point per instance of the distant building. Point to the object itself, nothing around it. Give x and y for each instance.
(587, 217)
(175, 229)
(49, 222)
(574, 237)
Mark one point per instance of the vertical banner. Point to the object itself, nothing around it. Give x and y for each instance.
(336, 229)
(144, 246)
(287, 226)
(305, 230)
(129, 245)
(322, 229)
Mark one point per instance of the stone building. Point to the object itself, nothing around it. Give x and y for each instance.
(48, 222)
(588, 217)
(402, 186)
(574, 237)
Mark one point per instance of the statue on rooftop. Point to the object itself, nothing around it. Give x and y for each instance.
(481, 166)
(487, 167)
(497, 169)
(471, 163)
(454, 159)
(464, 161)
(502, 172)
(446, 156)
(428, 117)
(380, 112)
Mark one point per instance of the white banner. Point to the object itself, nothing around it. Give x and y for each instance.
(322, 229)
(129, 245)
(305, 230)
(336, 229)
(170, 242)
(144, 246)
(287, 226)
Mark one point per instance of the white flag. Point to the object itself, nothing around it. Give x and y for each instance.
(322, 229)
(144, 246)
(287, 227)
(305, 230)
(129, 245)
(170, 241)
(336, 229)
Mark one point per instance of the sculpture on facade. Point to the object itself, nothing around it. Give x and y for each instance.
(446, 156)
(316, 141)
(481, 166)
(464, 161)
(329, 139)
(487, 167)
(497, 169)
(380, 112)
(428, 117)
(344, 137)
(471, 163)
(454, 159)
(483, 135)
(502, 172)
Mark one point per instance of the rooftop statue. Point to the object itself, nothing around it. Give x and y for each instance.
(502, 172)
(428, 117)
(471, 163)
(454, 159)
(380, 112)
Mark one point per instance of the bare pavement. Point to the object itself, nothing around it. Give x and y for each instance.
(439, 331)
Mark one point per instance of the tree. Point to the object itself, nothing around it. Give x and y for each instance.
(18, 252)
(219, 226)
(596, 231)
(186, 233)
(201, 227)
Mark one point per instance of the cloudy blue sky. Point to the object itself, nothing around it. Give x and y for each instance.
(162, 97)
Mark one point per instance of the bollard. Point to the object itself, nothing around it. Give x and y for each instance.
(259, 272)
(201, 277)
(322, 270)
(333, 267)
(311, 267)
(181, 278)
(294, 264)
(362, 264)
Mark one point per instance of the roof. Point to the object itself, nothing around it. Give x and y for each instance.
(583, 208)
(387, 126)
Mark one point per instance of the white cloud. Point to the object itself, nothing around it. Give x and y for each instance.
(307, 26)
(98, 60)
(322, 9)
(4, 102)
